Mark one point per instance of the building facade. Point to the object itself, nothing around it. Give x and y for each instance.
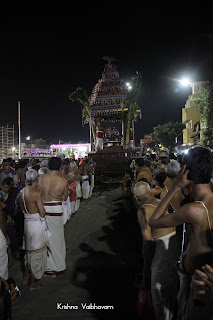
(191, 117)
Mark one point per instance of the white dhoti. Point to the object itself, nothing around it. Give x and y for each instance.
(92, 184)
(56, 258)
(78, 195)
(35, 243)
(99, 143)
(99, 140)
(3, 257)
(85, 187)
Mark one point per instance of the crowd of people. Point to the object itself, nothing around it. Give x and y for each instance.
(36, 200)
(174, 201)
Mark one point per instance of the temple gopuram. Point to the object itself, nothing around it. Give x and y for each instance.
(108, 98)
(111, 101)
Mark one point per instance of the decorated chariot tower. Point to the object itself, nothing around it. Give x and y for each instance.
(112, 100)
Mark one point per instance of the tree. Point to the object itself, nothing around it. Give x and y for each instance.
(81, 96)
(205, 102)
(169, 134)
(133, 107)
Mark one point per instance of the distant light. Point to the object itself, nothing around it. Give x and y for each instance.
(185, 82)
(129, 87)
(186, 151)
(127, 84)
(13, 148)
(28, 138)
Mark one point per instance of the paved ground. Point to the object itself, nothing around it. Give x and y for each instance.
(103, 259)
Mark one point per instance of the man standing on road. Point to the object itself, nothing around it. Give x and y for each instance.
(54, 190)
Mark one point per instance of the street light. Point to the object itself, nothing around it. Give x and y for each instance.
(129, 87)
(185, 82)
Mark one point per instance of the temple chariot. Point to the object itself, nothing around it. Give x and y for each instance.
(111, 100)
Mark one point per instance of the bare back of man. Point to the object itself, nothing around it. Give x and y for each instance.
(147, 210)
(53, 187)
(33, 202)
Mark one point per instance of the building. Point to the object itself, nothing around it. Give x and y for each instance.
(7, 143)
(191, 117)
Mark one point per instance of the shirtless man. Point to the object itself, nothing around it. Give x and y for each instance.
(173, 169)
(196, 173)
(35, 237)
(54, 190)
(164, 278)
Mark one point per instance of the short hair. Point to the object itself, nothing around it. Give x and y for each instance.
(173, 169)
(199, 162)
(6, 164)
(140, 162)
(164, 158)
(160, 175)
(140, 189)
(22, 164)
(43, 170)
(7, 181)
(66, 161)
(55, 163)
(44, 163)
(31, 176)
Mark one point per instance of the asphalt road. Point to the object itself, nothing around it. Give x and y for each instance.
(103, 260)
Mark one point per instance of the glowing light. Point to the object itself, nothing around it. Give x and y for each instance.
(186, 151)
(28, 138)
(185, 82)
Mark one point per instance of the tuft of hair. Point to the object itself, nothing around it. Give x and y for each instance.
(31, 176)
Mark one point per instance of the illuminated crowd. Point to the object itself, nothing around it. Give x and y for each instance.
(174, 200)
(37, 198)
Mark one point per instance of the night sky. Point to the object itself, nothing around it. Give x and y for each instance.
(48, 49)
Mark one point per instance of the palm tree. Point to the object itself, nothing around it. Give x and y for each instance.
(81, 96)
(133, 108)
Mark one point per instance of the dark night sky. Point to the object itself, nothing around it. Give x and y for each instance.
(49, 49)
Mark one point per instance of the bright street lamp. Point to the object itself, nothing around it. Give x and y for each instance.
(129, 87)
(185, 82)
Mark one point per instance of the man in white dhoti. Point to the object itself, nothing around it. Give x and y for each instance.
(85, 174)
(100, 130)
(92, 166)
(35, 231)
(54, 190)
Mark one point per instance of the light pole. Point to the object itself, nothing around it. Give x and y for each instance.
(19, 129)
